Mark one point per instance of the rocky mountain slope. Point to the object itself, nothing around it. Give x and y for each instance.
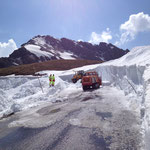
(44, 48)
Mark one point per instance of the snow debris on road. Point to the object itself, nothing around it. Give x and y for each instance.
(21, 92)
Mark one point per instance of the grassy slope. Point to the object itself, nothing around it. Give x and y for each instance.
(30, 69)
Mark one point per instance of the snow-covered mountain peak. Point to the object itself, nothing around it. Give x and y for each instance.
(44, 48)
(39, 41)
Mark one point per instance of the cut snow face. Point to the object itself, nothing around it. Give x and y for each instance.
(131, 74)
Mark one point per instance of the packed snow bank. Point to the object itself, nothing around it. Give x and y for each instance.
(147, 94)
(131, 73)
(138, 55)
(146, 106)
(127, 78)
(21, 92)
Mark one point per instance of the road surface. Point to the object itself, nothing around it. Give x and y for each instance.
(93, 120)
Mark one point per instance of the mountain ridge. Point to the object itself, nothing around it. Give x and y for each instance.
(45, 48)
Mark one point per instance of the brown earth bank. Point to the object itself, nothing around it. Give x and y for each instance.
(59, 65)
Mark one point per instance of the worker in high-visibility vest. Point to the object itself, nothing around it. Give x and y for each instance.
(50, 80)
(53, 80)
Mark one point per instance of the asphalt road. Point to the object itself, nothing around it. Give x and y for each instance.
(93, 120)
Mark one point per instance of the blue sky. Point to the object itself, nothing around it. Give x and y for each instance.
(125, 23)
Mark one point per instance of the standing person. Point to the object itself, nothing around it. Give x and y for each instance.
(50, 80)
(53, 80)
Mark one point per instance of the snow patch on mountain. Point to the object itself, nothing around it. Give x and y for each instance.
(36, 50)
(66, 55)
(42, 49)
(39, 41)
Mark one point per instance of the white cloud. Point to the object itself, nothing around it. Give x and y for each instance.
(105, 36)
(137, 23)
(7, 48)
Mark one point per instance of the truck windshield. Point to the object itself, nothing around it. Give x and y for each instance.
(86, 79)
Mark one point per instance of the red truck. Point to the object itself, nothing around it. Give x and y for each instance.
(91, 80)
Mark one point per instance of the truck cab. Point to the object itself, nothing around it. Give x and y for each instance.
(91, 80)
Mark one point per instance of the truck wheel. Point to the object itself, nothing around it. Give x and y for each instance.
(96, 86)
(84, 88)
(74, 80)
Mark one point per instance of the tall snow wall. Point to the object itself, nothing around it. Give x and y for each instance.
(127, 78)
(134, 80)
(146, 77)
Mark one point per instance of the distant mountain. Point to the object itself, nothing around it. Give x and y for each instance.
(44, 48)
